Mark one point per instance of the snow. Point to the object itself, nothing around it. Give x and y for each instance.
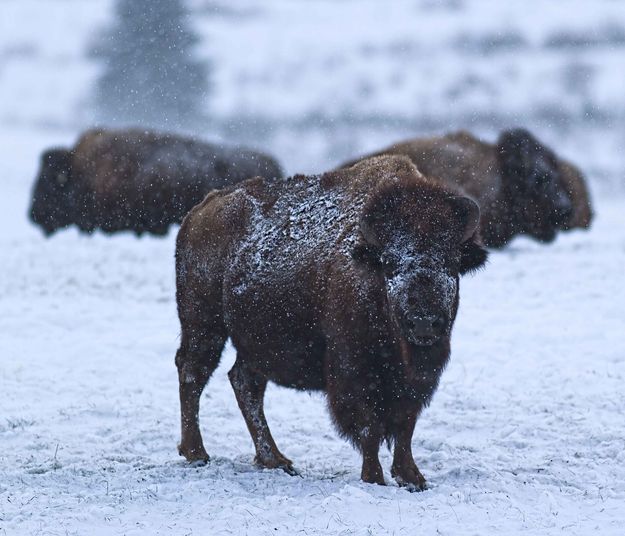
(526, 431)
(302, 205)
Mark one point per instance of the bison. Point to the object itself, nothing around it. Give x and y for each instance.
(575, 185)
(521, 186)
(117, 180)
(345, 283)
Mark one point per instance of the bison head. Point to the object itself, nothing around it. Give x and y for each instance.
(53, 192)
(531, 176)
(577, 190)
(420, 239)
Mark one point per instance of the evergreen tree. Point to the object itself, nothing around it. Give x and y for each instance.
(150, 76)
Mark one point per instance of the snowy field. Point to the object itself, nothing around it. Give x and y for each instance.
(527, 431)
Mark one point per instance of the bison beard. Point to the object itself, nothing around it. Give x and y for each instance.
(345, 283)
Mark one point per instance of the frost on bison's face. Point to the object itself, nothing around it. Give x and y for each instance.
(410, 242)
(53, 194)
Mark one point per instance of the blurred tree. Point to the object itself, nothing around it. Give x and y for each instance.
(150, 76)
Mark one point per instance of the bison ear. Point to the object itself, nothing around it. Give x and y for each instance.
(468, 212)
(367, 224)
(472, 253)
(367, 251)
(377, 216)
(473, 256)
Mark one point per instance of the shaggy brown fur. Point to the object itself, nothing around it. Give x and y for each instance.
(118, 180)
(345, 282)
(520, 185)
(578, 193)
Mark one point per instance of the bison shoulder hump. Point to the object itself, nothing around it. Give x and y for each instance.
(221, 216)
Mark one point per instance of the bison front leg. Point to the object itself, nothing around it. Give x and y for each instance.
(354, 414)
(357, 421)
(404, 469)
(371, 468)
(249, 389)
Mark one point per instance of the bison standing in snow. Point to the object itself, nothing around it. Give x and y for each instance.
(345, 282)
(118, 180)
(522, 187)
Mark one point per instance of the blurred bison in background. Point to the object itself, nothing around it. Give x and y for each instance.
(575, 185)
(522, 187)
(118, 180)
(345, 283)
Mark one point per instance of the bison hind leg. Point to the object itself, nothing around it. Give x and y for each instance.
(196, 360)
(249, 388)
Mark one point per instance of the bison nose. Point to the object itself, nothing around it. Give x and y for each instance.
(426, 326)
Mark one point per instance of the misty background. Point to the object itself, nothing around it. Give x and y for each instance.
(316, 82)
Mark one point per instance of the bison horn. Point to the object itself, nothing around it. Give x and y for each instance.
(366, 230)
(469, 211)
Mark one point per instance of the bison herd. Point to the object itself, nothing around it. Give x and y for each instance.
(133, 180)
(345, 282)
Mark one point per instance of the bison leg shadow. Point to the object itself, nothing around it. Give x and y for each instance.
(249, 389)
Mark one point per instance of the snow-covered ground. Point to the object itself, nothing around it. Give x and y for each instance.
(527, 431)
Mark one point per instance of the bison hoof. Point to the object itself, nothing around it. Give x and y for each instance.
(415, 482)
(277, 463)
(411, 486)
(290, 470)
(373, 478)
(197, 456)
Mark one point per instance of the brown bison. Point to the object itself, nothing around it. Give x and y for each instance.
(577, 190)
(118, 180)
(522, 187)
(345, 282)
